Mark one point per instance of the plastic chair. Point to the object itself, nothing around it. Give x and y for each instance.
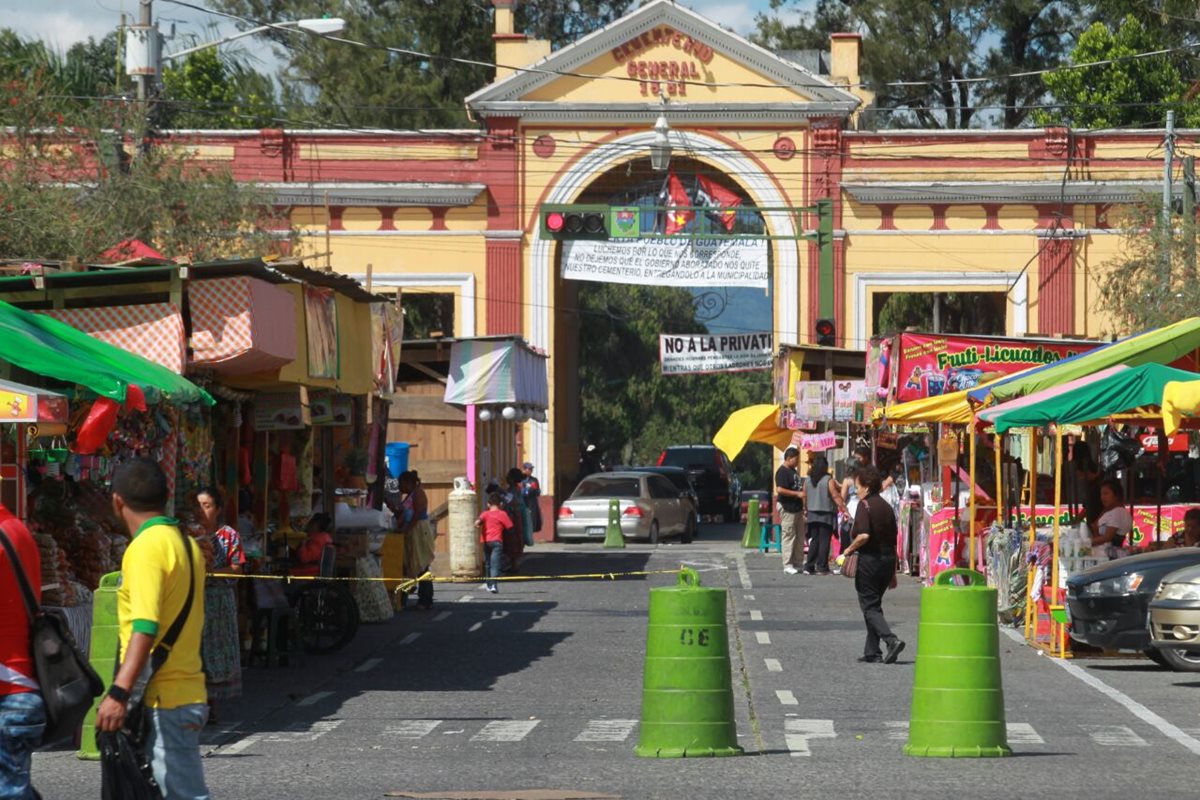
(770, 538)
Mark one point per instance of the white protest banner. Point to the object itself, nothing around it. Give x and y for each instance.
(700, 352)
(668, 262)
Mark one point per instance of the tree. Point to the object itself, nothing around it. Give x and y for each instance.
(562, 23)
(1154, 280)
(924, 60)
(958, 312)
(1129, 93)
(212, 90)
(73, 189)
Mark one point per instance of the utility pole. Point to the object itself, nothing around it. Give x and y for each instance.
(1168, 168)
(1189, 212)
(146, 28)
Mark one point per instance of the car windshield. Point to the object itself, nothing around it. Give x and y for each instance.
(688, 457)
(608, 487)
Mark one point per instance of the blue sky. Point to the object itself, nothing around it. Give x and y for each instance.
(64, 22)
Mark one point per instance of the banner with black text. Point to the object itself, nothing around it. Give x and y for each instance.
(668, 262)
(698, 352)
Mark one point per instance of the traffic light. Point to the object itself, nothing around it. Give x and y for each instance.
(826, 332)
(575, 221)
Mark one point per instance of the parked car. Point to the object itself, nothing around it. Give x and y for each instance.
(764, 503)
(683, 482)
(709, 470)
(1175, 619)
(651, 508)
(1109, 604)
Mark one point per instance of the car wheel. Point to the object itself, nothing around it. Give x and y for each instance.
(653, 537)
(1180, 660)
(689, 530)
(1156, 656)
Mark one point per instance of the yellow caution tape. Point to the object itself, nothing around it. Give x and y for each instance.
(405, 584)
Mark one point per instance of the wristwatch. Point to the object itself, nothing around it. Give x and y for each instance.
(118, 694)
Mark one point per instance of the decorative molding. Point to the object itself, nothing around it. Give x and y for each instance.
(678, 113)
(374, 194)
(1018, 305)
(646, 18)
(1026, 192)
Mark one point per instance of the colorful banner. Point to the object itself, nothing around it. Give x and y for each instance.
(814, 400)
(942, 535)
(697, 353)
(18, 406)
(817, 442)
(926, 365)
(846, 395)
(1143, 522)
(668, 262)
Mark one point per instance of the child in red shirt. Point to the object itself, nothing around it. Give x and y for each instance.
(493, 523)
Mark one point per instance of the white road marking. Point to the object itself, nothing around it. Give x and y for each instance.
(748, 596)
(302, 731)
(1132, 706)
(897, 731)
(411, 728)
(799, 731)
(773, 665)
(786, 697)
(756, 615)
(314, 698)
(1023, 733)
(238, 746)
(607, 730)
(743, 573)
(368, 665)
(475, 627)
(506, 730)
(1114, 736)
(412, 637)
(763, 637)
(441, 616)
(466, 598)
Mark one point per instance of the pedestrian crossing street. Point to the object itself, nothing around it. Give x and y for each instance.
(799, 736)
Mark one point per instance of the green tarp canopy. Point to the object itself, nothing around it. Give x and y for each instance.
(1114, 391)
(1159, 346)
(45, 346)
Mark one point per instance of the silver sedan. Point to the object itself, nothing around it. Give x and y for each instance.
(650, 507)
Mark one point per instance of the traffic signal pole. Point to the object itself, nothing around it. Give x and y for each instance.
(825, 282)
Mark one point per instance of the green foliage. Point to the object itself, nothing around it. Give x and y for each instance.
(562, 23)
(937, 45)
(1129, 93)
(1154, 281)
(629, 408)
(73, 188)
(965, 312)
(212, 90)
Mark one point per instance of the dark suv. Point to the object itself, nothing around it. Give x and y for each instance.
(710, 473)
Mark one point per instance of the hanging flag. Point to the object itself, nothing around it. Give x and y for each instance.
(721, 200)
(678, 212)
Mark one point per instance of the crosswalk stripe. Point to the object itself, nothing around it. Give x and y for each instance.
(773, 665)
(441, 616)
(763, 637)
(368, 665)
(1114, 736)
(607, 730)
(799, 731)
(302, 731)
(411, 728)
(786, 697)
(412, 637)
(897, 731)
(756, 615)
(314, 698)
(1023, 733)
(506, 730)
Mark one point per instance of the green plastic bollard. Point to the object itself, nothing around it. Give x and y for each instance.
(958, 699)
(102, 655)
(753, 525)
(613, 538)
(687, 693)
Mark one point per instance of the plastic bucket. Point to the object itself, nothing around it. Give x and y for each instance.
(397, 458)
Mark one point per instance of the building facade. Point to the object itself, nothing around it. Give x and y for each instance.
(1026, 216)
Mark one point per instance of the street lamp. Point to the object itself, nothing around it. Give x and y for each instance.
(321, 27)
(660, 147)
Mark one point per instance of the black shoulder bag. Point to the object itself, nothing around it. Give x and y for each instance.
(126, 773)
(67, 681)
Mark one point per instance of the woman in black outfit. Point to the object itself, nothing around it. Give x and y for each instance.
(875, 542)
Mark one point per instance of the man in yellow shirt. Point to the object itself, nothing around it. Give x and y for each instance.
(156, 578)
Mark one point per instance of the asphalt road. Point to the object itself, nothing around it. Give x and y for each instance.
(538, 688)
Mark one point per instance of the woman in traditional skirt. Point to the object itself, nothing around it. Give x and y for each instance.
(221, 648)
(418, 536)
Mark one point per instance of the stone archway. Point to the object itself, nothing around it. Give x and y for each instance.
(700, 147)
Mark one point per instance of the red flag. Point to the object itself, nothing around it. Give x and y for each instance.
(678, 213)
(721, 200)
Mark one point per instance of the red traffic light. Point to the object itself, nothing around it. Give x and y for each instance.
(554, 221)
(826, 332)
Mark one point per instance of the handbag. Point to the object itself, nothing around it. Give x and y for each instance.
(66, 680)
(126, 772)
(850, 566)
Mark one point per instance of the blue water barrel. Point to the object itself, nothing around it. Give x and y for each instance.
(397, 458)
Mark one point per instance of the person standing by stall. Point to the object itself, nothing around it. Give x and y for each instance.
(531, 490)
(820, 509)
(22, 712)
(161, 571)
(791, 508)
(419, 538)
(514, 504)
(221, 649)
(874, 541)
